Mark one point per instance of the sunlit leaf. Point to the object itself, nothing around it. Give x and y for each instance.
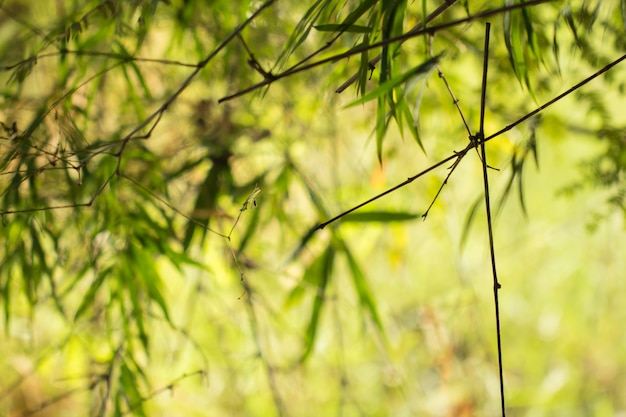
(363, 290)
(411, 123)
(512, 38)
(304, 240)
(311, 279)
(326, 265)
(90, 296)
(145, 272)
(301, 32)
(130, 390)
(469, 220)
(414, 74)
(379, 216)
(382, 122)
(343, 28)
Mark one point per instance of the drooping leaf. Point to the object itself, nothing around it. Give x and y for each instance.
(206, 200)
(145, 273)
(363, 290)
(304, 240)
(421, 71)
(411, 123)
(301, 32)
(512, 39)
(89, 297)
(379, 217)
(326, 269)
(382, 121)
(469, 220)
(130, 390)
(343, 28)
(311, 279)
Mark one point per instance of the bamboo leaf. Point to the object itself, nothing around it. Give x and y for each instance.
(411, 123)
(327, 260)
(89, 297)
(310, 279)
(414, 74)
(301, 32)
(206, 202)
(471, 214)
(520, 188)
(364, 69)
(304, 240)
(128, 281)
(382, 122)
(130, 391)
(145, 272)
(380, 217)
(363, 290)
(359, 11)
(22, 71)
(343, 28)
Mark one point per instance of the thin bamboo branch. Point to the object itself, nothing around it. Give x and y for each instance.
(496, 284)
(401, 38)
(372, 62)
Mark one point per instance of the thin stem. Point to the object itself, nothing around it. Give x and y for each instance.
(496, 284)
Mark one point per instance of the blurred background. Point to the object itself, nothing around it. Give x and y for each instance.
(160, 255)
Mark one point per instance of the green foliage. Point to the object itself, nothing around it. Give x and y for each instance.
(148, 231)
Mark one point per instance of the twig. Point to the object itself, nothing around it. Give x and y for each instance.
(112, 55)
(455, 101)
(168, 387)
(250, 201)
(443, 184)
(252, 61)
(170, 206)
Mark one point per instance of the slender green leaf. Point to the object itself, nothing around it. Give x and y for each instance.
(310, 279)
(304, 240)
(379, 217)
(364, 68)
(90, 296)
(471, 214)
(359, 11)
(382, 121)
(206, 202)
(327, 260)
(520, 187)
(363, 290)
(145, 272)
(343, 28)
(416, 73)
(130, 390)
(411, 124)
(301, 32)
